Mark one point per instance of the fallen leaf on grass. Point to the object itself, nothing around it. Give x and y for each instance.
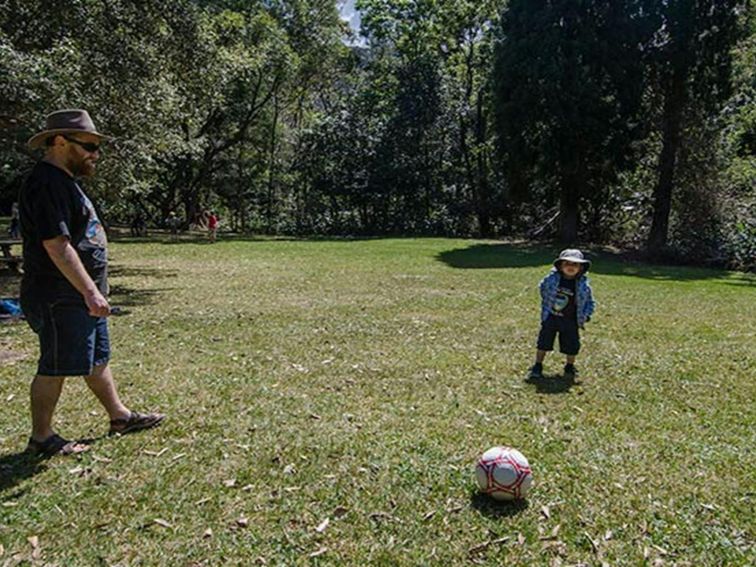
(207, 533)
(486, 544)
(322, 526)
(242, 522)
(383, 516)
(554, 533)
(10, 397)
(315, 416)
(545, 511)
(202, 501)
(155, 453)
(319, 552)
(608, 535)
(80, 471)
(230, 483)
(340, 511)
(520, 539)
(429, 515)
(101, 459)
(594, 543)
(2, 550)
(162, 523)
(661, 550)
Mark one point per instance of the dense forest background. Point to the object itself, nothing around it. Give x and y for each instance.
(630, 122)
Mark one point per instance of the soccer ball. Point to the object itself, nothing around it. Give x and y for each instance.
(504, 473)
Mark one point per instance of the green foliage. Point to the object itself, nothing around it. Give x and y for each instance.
(262, 111)
(569, 86)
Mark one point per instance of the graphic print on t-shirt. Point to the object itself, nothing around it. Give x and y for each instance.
(564, 303)
(562, 299)
(95, 232)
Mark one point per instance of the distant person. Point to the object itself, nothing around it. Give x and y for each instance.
(566, 306)
(173, 223)
(14, 231)
(138, 226)
(64, 288)
(212, 226)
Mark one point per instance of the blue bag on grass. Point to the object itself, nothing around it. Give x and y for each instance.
(10, 306)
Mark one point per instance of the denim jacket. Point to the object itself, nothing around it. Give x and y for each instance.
(583, 296)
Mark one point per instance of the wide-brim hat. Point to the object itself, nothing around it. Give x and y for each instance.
(68, 121)
(573, 255)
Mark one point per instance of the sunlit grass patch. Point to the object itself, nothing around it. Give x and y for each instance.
(357, 382)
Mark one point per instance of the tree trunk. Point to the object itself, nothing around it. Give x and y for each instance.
(568, 217)
(569, 208)
(272, 165)
(672, 119)
(484, 197)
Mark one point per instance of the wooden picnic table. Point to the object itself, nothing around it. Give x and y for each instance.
(7, 257)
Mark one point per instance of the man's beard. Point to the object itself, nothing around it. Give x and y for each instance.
(82, 167)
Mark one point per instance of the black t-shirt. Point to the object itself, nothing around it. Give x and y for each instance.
(52, 204)
(564, 305)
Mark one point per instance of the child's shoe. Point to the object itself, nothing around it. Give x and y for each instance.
(570, 371)
(536, 371)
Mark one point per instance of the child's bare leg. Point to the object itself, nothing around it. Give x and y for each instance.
(541, 354)
(571, 358)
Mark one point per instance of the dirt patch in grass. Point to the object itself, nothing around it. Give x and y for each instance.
(8, 356)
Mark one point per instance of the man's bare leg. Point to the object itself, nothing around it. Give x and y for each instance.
(45, 392)
(103, 387)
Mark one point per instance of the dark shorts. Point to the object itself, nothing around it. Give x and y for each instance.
(71, 342)
(569, 337)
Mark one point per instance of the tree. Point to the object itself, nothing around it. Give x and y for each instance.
(569, 85)
(692, 58)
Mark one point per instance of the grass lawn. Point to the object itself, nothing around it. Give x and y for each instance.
(327, 401)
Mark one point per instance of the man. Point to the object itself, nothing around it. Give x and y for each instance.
(64, 289)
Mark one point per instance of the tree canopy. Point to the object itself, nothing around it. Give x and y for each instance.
(628, 122)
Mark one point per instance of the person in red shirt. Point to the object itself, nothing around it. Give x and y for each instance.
(212, 226)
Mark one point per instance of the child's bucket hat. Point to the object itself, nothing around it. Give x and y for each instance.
(572, 255)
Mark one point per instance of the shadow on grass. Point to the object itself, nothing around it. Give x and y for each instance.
(16, 467)
(201, 238)
(125, 296)
(118, 270)
(513, 255)
(10, 283)
(496, 508)
(552, 384)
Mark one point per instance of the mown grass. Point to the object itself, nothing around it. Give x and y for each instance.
(357, 381)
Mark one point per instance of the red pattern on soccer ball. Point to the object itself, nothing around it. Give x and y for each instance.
(505, 461)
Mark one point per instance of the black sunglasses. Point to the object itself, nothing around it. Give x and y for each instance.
(91, 147)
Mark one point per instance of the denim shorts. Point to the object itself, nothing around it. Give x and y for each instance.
(567, 329)
(71, 342)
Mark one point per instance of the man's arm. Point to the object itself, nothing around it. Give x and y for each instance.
(66, 259)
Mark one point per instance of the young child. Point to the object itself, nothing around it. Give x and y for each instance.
(566, 305)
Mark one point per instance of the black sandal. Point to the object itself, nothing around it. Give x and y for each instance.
(54, 445)
(135, 422)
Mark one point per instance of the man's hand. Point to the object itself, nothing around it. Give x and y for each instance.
(64, 256)
(97, 304)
